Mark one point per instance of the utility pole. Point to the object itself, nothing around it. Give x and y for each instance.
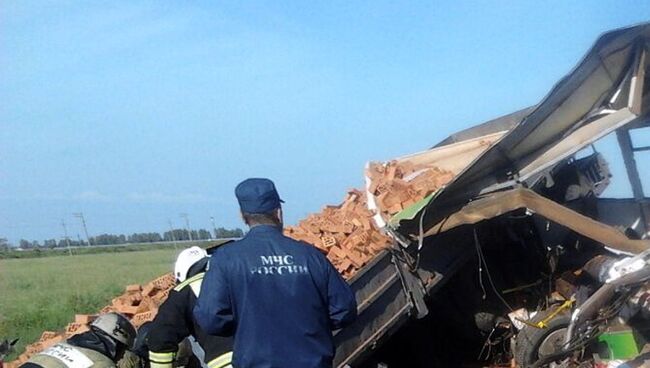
(65, 236)
(214, 228)
(171, 231)
(187, 223)
(83, 222)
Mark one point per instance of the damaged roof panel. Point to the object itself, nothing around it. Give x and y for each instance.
(601, 94)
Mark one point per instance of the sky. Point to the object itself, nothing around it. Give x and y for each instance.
(134, 112)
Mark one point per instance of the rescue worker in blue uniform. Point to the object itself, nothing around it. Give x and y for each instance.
(281, 298)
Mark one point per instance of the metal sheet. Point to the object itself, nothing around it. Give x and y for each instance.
(498, 204)
(503, 123)
(565, 113)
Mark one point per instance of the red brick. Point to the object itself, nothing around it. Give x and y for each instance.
(164, 282)
(145, 305)
(22, 358)
(148, 290)
(133, 288)
(56, 339)
(141, 318)
(84, 319)
(74, 329)
(337, 252)
(328, 241)
(127, 309)
(107, 309)
(46, 335)
(33, 348)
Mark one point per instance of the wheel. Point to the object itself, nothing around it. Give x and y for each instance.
(532, 343)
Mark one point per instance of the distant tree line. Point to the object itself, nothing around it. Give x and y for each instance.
(113, 239)
(4, 245)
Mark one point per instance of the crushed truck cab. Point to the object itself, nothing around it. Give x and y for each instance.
(523, 207)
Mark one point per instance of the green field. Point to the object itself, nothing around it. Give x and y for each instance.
(133, 247)
(38, 294)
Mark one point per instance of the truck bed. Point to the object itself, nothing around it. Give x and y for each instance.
(385, 291)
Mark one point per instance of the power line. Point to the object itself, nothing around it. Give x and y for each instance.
(65, 236)
(171, 232)
(187, 223)
(83, 222)
(214, 228)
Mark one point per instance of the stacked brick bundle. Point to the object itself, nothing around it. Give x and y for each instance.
(346, 233)
(138, 303)
(397, 186)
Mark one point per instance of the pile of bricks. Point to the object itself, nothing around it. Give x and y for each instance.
(397, 186)
(346, 233)
(138, 303)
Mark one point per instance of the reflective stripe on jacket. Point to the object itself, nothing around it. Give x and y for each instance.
(223, 361)
(174, 322)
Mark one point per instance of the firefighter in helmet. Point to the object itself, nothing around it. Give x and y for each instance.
(110, 336)
(174, 321)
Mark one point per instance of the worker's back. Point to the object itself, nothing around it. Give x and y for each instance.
(285, 297)
(64, 355)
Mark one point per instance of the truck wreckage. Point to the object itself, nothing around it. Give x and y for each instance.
(488, 269)
(494, 247)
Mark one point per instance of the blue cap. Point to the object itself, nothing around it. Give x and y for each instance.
(257, 195)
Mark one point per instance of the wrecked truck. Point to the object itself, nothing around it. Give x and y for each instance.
(488, 270)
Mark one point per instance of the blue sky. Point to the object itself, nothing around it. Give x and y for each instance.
(134, 112)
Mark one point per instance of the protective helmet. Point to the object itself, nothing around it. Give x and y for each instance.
(117, 327)
(186, 259)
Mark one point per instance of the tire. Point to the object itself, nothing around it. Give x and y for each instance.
(533, 343)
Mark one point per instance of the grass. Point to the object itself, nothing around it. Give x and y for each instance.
(38, 294)
(39, 252)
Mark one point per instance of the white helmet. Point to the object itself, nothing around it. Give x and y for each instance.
(186, 259)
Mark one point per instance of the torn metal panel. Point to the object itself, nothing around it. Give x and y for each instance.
(498, 204)
(456, 156)
(602, 94)
(575, 141)
(627, 150)
(500, 124)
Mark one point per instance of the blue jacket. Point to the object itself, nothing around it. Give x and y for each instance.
(281, 298)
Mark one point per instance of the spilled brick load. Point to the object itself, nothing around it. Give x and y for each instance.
(397, 186)
(346, 233)
(140, 304)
